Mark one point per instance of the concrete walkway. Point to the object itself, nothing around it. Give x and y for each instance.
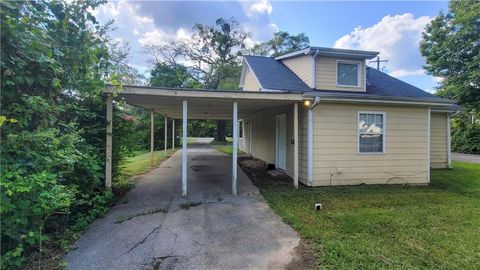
(466, 157)
(149, 228)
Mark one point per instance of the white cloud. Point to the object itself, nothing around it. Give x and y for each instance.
(397, 38)
(256, 7)
(404, 73)
(157, 23)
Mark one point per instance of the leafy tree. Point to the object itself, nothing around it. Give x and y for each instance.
(172, 75)
(55, 58)
(212, 51)
(452, 50)
(451, 46)
(281, 43)
(118, 67)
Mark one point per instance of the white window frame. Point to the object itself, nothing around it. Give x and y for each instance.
(359, 64)
(384, 146)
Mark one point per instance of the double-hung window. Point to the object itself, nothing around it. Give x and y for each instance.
(371, 132)
(348, 74)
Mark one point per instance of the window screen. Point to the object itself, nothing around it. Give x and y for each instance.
(371, 132)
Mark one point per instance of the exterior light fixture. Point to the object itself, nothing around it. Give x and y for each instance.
(307, 103)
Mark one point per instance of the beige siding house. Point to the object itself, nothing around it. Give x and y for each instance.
(320, 115)
(360, 126)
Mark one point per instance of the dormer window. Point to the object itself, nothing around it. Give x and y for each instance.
(348, 73)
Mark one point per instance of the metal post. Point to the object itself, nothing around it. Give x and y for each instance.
(184, 149)
(449, 142)
(234, 148)
(173, 134)
(108, 154)
(165, 141)
(429, 121)
(295, 146)
(152, 143)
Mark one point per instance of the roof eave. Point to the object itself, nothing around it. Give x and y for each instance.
(381, 99)
(331, 52)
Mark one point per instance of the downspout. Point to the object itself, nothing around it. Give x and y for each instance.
(314, 70)
(310, 140)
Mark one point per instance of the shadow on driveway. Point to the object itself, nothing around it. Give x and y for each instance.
(153, 227)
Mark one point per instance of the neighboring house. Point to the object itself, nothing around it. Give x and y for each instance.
(319, 114)
(366, 127)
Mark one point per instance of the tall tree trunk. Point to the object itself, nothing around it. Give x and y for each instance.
(220, 131)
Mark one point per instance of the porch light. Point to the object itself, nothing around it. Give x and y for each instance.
(307, 103)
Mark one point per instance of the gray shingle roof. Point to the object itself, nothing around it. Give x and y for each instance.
(274, 75)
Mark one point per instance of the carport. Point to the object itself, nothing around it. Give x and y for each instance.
(197, 104)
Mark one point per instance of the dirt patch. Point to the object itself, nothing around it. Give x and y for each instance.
(143, 213)
(163, 262)
(304, 257)
(187, 205)
(254, 164)
(257, 172)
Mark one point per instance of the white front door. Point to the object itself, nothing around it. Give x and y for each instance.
(281, 142)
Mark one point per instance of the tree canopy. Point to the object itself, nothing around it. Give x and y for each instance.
(281, 43)
(451, 46)
(208, 59)
(55, 59)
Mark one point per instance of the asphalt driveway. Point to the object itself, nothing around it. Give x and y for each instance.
(466, 157)
(153, 227)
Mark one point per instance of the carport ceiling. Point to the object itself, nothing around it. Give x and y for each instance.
(219, 106)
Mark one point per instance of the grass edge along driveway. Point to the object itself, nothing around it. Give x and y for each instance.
(394, 227)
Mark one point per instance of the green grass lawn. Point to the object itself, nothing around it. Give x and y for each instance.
(389, 227)
(140, 162)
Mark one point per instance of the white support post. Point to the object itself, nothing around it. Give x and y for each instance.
(173, 134)
(234, 148)
(108, 151)
(449, 142)
(152, 133)
(295, 146)
(184, 149)
(166, 135)
(250, 137)
(429, 122)
(310, 147)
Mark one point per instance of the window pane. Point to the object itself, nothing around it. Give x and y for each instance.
(371, 143)
(370, 123)
(347, 74)
(362, 123)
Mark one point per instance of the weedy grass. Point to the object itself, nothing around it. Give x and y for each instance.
(394, 227)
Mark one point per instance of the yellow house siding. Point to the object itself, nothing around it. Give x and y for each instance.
(326, 74)
(439, 141)
(263, 125)
(250, 83)
(336, 161)
(301, 66)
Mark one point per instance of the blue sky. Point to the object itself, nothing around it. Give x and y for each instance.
(393, 28)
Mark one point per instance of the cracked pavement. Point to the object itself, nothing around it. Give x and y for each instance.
(223, 231)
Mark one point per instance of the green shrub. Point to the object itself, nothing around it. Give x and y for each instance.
(465, 135)
(27, 203)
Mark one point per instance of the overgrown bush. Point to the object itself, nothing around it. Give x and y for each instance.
(465, 135)
(55, 60)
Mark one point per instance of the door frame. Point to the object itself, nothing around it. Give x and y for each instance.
(277, 141)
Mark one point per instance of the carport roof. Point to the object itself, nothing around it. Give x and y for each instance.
(203, 103)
